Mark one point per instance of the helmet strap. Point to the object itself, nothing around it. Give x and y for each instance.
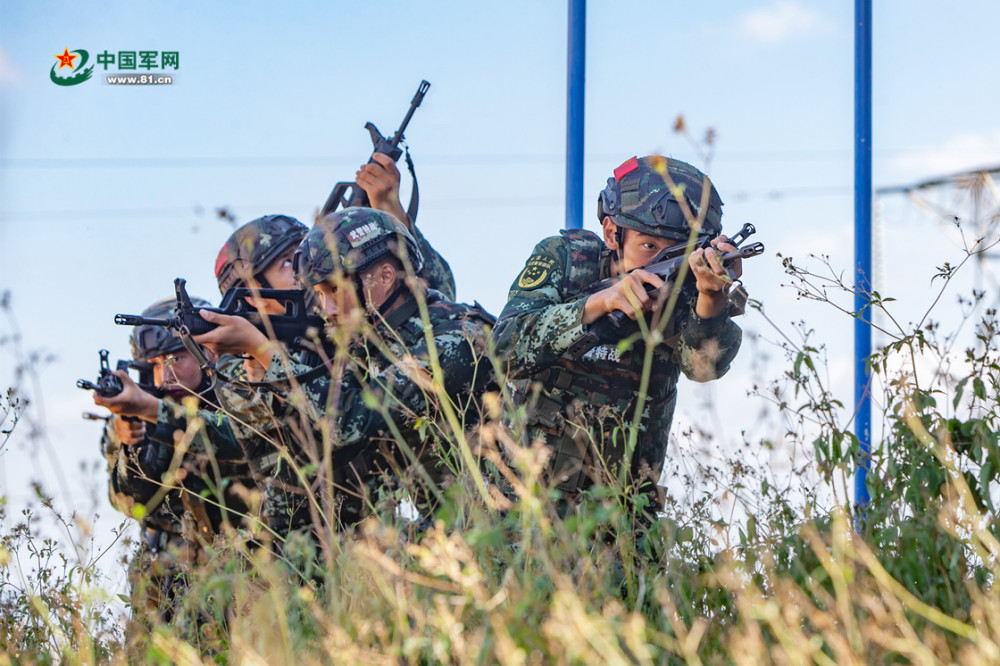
(392, 298)
(620, 239)
(359, 290)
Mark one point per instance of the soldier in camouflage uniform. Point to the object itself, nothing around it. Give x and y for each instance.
(380, 181)
(589, 410)
(181, 517)
(357, 261)
(258, 254)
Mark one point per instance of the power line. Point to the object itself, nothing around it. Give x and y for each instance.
(953, 179)
(438, 204)
(479, 202)
(334, 160)
(212, 212)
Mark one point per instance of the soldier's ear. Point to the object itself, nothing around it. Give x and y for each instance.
(388, 272)
(610, 232)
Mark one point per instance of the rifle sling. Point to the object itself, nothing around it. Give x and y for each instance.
(411, 211)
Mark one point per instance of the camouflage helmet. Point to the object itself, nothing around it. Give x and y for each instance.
(638, 197)
(362, 237)
(148, 342)
(252, 247)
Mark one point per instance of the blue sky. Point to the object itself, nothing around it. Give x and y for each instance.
(107, 193)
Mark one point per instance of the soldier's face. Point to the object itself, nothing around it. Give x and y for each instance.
(334, 303)
(176, 373)
(639, 248)
(279, 275)
(279, 272)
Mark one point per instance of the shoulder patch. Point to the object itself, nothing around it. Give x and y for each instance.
(535, 272)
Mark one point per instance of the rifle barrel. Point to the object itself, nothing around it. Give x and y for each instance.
(744, 252)
(417, 99)
(136, 320)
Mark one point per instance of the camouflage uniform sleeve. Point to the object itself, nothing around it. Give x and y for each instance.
(436, 271)
(133, 471)
(707, 347)
(215, 436)
(406, 388)
(111, 449)
(284, 371)
(540, 320)
(250, 410)
(290, 405)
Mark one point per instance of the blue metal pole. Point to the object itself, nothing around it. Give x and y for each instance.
(862, 238)
(576, 55)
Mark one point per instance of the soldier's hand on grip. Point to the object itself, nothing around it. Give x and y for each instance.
(237, 336)
(132, 401)
(712, 279)
(232, 335)
(710, 275)
(380, 181)
(629, 295)
(129, 433)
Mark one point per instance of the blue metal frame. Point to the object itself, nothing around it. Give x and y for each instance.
(576, 57)
(862, 240)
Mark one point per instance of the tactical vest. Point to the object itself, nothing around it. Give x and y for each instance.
(585, 408)
(364, 461)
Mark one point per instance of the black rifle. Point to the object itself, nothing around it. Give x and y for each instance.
(151, 457)
(350, 193)
(292, 327)
(666, 265)
(108, 384)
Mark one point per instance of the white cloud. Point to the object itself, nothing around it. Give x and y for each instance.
(780, 21)
(959, 153)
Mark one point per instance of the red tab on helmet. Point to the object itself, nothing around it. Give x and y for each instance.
(220, 261)
(626, 168)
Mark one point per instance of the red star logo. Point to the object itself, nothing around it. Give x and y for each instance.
(66, 59)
